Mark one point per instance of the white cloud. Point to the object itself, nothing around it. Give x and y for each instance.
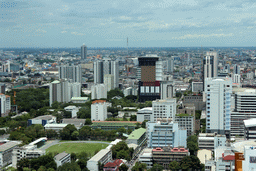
(195, 36)
(78, 34)
(64, 32)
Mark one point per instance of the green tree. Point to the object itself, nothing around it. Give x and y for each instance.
(115, 92)
(88, 121)
(192, 144)
(174, 165)
(143, 125)
(118, 147)
(157, 167)
(123, 167)
(139, 166)
(190, 162)
(73, 166)
(84, 112)
(133, 118)
(73, 157)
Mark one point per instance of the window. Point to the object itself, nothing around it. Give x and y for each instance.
(208, 85)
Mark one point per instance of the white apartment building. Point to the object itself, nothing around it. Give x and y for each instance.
(112, 67)
(249, 162)
(245, 108)
(211, 141)
(62, 158)
(218, 102)
(28, 151)
(71, 72)
(73, 110)
(167, 89)
(103, 156)
(186, 122)
(75, 89)
(109, 81)
(99, 91)
(6, 152)
(236, 79)
(145, 114)
(170, 64)
(5, 104)
(164, 109)
(146, 157)
(99, 110)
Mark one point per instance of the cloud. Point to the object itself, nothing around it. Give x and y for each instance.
(78, 34)
(196, 36)
(64, 32)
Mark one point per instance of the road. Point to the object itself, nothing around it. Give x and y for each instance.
(54, 142)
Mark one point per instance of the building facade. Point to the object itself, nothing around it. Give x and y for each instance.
(164, 109)
(99, 91)
(103, 156)
(99, 110)
(218, 105)
(98, 72)
(83, 52)
(210, 65)
(73, 73)
(62, 158)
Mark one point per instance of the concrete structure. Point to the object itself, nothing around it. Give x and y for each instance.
(249, 162)
(170, 64)
(62, 91)
(73, 110)
(165, 155)
(99, 91)
(204, 155)
(138, 137)
(197, 87)
(197, 100)
(113, 125)
(43, 120)
(62, 158)
(112, 67)
(78, 123)
(164, 109)
(186, 121)
(79, 99)
(211, 141)
(149, 74)
(99, 110)
(113, 166)
(83, 52)
(146, 157)
(5, 103)
(72, 73)
(130, 91)
(6, 152)
(103, 156)
(98, 72)
(236, 79)
(109, 81)
(250, 129)
(218, 102)
(28, 152)
(145, 114)
(2, 88)
(162, 134)
(245, 108)
(236, 69)
(167, 90)
(210, 65)
(55, 127)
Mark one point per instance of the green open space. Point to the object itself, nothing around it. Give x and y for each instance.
(76, 147)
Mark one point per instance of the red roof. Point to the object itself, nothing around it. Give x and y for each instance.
(229, 157)
(116, 163)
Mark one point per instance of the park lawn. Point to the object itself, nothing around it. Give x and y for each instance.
(76, 148)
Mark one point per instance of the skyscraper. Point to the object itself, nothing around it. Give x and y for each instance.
(71, 72)
(149, 75)
(98, 72)
(170, 64)
(83, 52)
(210, 65)
(112, 67)
(218, 102)
(236, 69)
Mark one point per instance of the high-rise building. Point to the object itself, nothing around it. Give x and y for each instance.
(99, 91)
(210, 65)
(236, 78)
(109, 81)
(83, 52)
(218, 102)
(99, 110)
(167, 90)
(112, 67)
(149, 74)
(164, 109)
(63, 91)
(71, 72)
(5, 104)
(98, 72)
(236, 69)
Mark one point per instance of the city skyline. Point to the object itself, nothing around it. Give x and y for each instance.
(66, 23)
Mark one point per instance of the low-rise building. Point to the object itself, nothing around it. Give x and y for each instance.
(113, 125)
(43, 120)
(196, 99)
(250, 129)
(6, 152)
(147, 157)
(145, 114)
(62, 158)
(138, 137)
(113, 166)
(186, 121)
(161, 134)
(73, 110)
(78, 123)
(249, 162)
(103, 156)
(165, 155)
(136, 149)
(79, 99)
(28, 152)
(55, 127)
(210, 141)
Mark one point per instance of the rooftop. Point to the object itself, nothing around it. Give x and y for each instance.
(250, 122)
(44, 117)
(55, 125)
(8, 145)
(136, 134)
(61, 155)
(114, 123)
(79, 98)
(99, 155)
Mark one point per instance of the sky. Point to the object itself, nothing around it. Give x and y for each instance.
(146, 23)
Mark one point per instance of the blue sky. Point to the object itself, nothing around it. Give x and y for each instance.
(147, 23)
